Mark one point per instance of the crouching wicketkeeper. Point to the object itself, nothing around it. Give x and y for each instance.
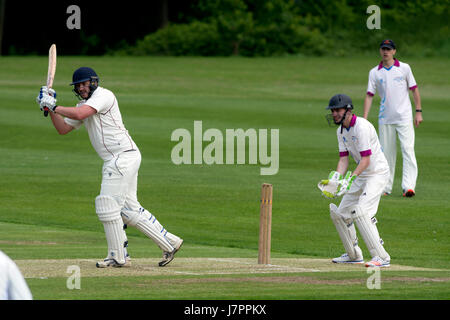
(361, 189)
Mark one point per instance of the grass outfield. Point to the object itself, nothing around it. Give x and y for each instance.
(49, 182)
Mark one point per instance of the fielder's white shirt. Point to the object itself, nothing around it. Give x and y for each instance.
(392, 85)
(12, 283)
(105, 128)
(359, 140)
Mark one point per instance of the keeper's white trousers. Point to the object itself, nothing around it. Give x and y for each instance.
(364, 192)
(388, 139)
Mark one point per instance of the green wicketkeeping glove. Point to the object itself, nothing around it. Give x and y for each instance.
(329, 187)
(345, 184)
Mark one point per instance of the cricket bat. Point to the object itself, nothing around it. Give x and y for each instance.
(51, 70)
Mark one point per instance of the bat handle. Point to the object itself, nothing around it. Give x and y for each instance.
(45, 111)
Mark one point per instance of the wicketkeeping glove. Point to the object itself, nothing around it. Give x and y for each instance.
(329, 187)
(346, 183)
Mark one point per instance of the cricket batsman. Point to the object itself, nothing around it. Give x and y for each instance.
(117, 202)
(361, 189)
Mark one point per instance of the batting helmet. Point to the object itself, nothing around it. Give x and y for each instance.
(85, 74)
(340, 101)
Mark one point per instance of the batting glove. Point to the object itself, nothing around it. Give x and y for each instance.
(346, 183)
(49, 102)
(44, 91)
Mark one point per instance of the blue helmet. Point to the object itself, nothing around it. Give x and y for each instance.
(85, 74)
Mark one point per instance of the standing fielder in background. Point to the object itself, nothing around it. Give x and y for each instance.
(117, 203)
(362, 190)
(392, 79)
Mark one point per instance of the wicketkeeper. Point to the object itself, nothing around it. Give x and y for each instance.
(117, 203)
(361, 189)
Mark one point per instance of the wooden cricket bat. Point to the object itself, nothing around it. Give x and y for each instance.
(51, 70)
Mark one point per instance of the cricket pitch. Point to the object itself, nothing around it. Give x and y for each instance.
(40, 268)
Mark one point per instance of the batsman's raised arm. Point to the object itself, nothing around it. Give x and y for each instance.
(76, 113)
(47, 99)
(60, 125)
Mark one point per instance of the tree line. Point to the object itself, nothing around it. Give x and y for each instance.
(239, 27)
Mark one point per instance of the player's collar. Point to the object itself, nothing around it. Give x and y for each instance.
(396, 64)
(352, 123)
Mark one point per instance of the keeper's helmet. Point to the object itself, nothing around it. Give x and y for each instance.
(339, 101)
(85, 74)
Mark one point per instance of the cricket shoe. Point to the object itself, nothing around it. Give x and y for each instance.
(378, 262)
(108, 262)
(408, 193)
(168, 256)
(346, 259)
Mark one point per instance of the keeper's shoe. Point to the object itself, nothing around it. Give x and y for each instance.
(168, 256)
(108, 262)
(378, 262)
(408, 193)
(346, 259)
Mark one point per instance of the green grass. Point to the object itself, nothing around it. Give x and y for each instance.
(49, 182)
(180, 288)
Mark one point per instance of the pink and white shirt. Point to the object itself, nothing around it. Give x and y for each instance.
(392, 85)
(360, 140)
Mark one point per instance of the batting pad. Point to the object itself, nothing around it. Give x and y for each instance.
(108, 212)
(369, 233)
(147, 223)
(347, 233)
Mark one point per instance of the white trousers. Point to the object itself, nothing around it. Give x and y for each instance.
(388, 139)
(120, 179)
(359, 206)
(364, 192)
(120, 176)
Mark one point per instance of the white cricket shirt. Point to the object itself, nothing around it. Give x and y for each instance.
(392, 85)
(12, 283)
(105, 128)
(361, 140)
